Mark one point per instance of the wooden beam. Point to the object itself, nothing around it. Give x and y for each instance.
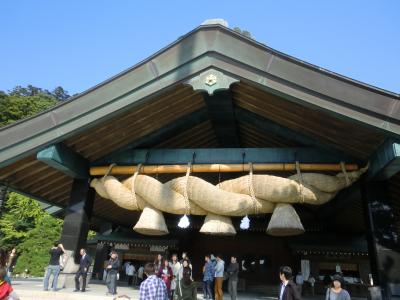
(270, 127)
(62, 158)
(158, 136)
(385, 162)
(216, 168)
(222, 156)
(221, 113)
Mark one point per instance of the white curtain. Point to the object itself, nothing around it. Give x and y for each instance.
(305, 269)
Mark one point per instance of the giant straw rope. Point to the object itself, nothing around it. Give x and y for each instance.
(246, 195)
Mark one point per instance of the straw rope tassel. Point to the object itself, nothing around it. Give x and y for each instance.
(346, 176)
(301, 180)
(245, 222)
(133, 185)
(184, 221)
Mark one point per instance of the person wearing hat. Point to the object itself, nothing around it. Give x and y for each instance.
(336, 292)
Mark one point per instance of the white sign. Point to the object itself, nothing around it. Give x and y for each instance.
(121, 247)
(158, 248)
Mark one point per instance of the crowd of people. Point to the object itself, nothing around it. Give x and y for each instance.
(165, 279)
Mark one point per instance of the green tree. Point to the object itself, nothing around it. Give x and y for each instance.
(19, 217)
(35, 248)
(22, 102)
(14, 107)
(60, 94)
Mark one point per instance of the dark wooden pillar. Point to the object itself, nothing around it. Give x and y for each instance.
(102, 251)
(77, 218)
(381, 236)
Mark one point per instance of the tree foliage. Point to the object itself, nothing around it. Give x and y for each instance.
(31, 230)
(18, 219)
(35, 248)
(23, 102)
(23, 223)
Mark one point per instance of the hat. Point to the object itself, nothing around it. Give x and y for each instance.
(339, 278)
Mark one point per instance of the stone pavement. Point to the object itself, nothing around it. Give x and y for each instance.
(32, 289)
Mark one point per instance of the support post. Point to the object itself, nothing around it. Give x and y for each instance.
(77, 216)
(381, 237)
(102, 251)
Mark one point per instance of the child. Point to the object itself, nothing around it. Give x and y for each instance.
(6, 291)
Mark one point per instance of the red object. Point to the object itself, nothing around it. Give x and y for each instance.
(167, 278)
(5, 290)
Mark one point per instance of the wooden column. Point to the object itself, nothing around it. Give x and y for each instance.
(77, 217)
(381, 237)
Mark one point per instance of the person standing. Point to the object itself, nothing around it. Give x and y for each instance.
(300, 282)
(153, 288)
(12, 259)
(84, 265)
(125, 269)
(130, 270)
(337, 292)
(288, 289)
(165, 273)
(54, 266)
(176, 266)
(214, 263)
(219, 277)
(186, 289)
(233, 273)
(3, 264)
(112, 271)
(140, 274)
(158, 262)
(311, 280)
(184, 264)
(208, 277)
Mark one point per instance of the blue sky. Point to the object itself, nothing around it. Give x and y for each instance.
(77, 44)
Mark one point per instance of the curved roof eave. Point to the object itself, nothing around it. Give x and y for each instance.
(184, 58)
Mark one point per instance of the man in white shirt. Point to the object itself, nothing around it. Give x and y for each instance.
(130, 270)
(140, 274)
(288, 289)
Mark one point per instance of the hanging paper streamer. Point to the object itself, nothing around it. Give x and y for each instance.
(245, 223)
(184, 222)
